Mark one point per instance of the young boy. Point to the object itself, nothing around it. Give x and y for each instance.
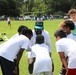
(67, 26)
(43, 62)
(66, 47)
(72, 15)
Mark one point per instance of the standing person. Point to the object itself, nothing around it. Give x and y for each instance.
(66, 47)
(11, 49)
(9, 22)
(67, 26)
(43, 62)
(39, 29)
(72, 15)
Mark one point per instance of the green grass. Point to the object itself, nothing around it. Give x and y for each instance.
(51, 26)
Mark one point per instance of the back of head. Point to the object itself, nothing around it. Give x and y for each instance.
(67, 23)
(26, 32)
(21, 27)
(39, 39)
(60, 33)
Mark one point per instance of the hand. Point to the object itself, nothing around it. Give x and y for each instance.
(15, 71)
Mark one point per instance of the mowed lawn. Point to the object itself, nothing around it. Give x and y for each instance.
(51, 26)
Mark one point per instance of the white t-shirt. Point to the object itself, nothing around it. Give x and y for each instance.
(71, 36)
(8, 19)
(47, 40)
(10, 48)
(14, 36)
(43, 61)
(68, 46)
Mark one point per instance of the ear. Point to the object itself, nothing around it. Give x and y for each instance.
(58, 38)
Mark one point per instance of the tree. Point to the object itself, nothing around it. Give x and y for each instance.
(3, 7)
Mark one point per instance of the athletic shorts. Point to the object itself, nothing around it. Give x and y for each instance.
(7, 66)
(71, 71)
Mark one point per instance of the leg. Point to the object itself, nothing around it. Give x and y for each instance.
(7, 66)
(30, 67)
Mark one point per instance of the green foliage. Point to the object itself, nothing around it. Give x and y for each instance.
(40, 7)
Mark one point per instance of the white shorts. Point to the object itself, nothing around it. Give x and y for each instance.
(44, 73)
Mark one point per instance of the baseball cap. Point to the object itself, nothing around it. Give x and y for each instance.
(39, 25)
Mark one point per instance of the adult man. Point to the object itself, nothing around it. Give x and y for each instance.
(39, 29)
(11, 49)
(66, 47)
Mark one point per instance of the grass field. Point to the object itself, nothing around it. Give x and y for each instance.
(51, 26)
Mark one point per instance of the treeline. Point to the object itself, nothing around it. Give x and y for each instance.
(35, 7)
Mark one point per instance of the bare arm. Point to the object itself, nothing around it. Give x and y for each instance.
(63, 60)
(19, 55)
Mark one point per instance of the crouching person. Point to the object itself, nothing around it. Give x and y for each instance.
(40, 57)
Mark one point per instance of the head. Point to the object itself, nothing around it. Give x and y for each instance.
(38, 27)
(72, 14)
(39, 39)
(67, 26)
(27, 32)
(21, 27)
(60, 34)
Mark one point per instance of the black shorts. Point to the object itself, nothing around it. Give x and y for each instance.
(9, 23)
(7, 66)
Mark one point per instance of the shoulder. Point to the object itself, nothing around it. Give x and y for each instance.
(44, 32)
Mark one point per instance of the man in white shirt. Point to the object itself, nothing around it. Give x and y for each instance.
(39, 29)
(14, 48)
(43, 62)
(66, 47)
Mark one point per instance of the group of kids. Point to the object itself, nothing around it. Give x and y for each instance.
(37, 43)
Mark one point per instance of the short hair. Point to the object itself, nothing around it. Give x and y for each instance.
(26, 32)
(21, 27)
(60, 33)
(67, 23)
(71, 11)
(39, 39)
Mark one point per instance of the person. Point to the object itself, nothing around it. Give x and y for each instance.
(9, 22)
(39, 29)
(14, 48)
(66, 47)
(43, 62)
(21, 27)
(72, 15)
(68, 26)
